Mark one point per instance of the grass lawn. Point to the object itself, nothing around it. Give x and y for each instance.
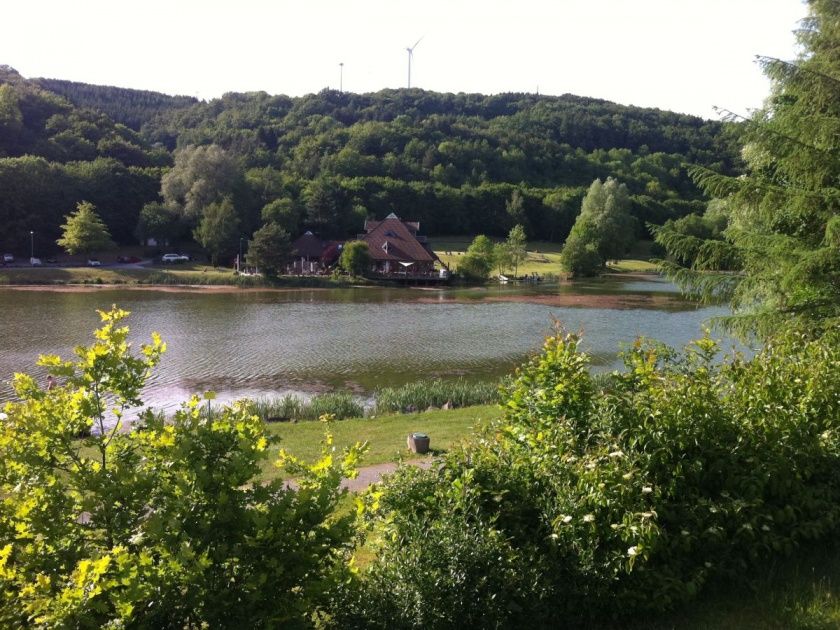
(385, 435)
(543, 257)
(799, 593)
(159, 274)
(190, 273)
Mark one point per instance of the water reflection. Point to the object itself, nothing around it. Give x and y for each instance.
(257, 342)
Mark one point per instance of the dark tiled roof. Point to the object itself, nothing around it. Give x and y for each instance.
(392, 239)
(308, 246)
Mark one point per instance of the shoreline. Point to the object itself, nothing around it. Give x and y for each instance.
(419, 294)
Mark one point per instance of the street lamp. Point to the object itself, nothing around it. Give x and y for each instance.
(31, 244)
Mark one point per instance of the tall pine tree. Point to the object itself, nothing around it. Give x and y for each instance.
(784, 214)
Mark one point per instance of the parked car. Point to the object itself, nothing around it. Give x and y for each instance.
(52, 261)
(8, 258)
(174, 258)
(35, 262)
(94, 262)
(129, 259)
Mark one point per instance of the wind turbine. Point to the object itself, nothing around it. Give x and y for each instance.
(410, 57)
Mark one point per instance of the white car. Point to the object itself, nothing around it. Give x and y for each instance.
(94, 262)
(8, 258)
(174, 258)
(35, 262)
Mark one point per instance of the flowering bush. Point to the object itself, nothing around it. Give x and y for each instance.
(589, 502)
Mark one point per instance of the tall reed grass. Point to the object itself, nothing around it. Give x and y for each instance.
(421, 395)
(340, 404)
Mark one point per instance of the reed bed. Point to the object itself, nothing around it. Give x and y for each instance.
(286, 408)
(422, 395)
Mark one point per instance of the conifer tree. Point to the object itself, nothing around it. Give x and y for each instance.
(784, 214)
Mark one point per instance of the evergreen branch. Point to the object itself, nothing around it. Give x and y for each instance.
(720, 186)
(792, 69)
(706, 286)
(762, 126)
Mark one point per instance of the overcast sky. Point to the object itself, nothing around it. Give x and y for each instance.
(683, 55)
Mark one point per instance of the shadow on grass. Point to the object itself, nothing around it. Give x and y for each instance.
(797, 593)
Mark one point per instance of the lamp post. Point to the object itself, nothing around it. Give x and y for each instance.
(31, 244)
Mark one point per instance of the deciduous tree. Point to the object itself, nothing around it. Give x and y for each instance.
(355, 258)
(202, 175)
(602, 231)
(84, 232)
(218, 230)
(270, 249)
(516, 246)
(478, 259)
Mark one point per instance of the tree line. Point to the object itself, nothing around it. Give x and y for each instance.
(458, 163)
(594, 501)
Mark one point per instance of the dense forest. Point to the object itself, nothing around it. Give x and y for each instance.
(458, 163)
(129, 107)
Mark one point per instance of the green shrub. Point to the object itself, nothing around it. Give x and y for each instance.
(587, 503)
(160, 527)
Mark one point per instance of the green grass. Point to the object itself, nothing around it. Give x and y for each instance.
(421, 395)
(386, 435)
(630, 265)
(186, 274)
(290, 407)
(799, 593)
(543, 257)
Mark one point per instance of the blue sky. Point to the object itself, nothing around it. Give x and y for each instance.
(683, 55)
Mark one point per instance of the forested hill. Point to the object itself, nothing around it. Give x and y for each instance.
(131, 108)
(54, 154)
(452, 161)
(458, 163)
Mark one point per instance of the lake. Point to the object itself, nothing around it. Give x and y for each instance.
(259, 342)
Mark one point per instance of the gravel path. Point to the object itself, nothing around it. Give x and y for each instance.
(371, 474)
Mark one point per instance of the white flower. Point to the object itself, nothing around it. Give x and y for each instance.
(616, 454)
(765, 528)
(685, 532)
(588, 518)
(708, 565)
(3, 416)
(632, 551)
(567, 519)
(647, 490)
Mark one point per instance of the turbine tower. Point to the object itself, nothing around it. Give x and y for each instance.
(410, 57)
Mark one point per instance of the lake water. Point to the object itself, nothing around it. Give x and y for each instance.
(249, 343)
